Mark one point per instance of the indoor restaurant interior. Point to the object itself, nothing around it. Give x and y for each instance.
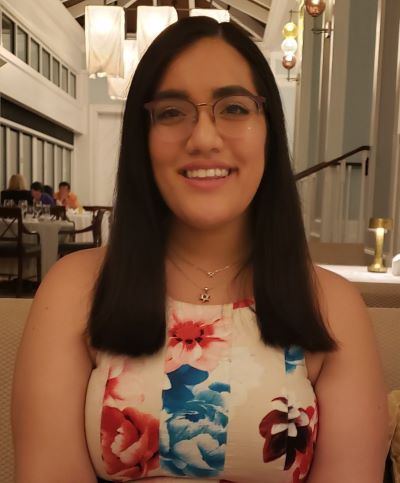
(65, 71)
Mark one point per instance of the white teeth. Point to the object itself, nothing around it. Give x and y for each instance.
(206, 173)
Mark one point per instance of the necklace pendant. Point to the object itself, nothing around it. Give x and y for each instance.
(205, 296)
(211, 274)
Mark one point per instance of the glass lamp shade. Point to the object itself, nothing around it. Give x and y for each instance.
(151, 21)
(289, 46)
(118, 87)
(104, 36)
(219, 15)
(290, 30)
(315, 7)
(289, 61)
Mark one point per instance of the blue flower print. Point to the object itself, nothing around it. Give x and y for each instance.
(294, 356)
(193, 436)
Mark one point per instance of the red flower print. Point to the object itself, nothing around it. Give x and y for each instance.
(201, 344)
(129, 441)
(291, 431)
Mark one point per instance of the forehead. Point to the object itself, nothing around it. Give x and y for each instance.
(207, 65)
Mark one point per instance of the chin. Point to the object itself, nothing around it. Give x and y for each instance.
(210, 220)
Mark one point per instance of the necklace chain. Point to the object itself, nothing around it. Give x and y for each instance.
(209, 273)
(204, 295)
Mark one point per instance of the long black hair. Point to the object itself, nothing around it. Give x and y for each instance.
(128, 309)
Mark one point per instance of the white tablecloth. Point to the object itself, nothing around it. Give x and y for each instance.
(84, 219)
(48, 231)
(356, 273)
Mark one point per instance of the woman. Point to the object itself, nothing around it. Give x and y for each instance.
(16, 190)
(202, 344)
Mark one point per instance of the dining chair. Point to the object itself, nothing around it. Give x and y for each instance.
(58, 213)
(13, 245)
(70, 246)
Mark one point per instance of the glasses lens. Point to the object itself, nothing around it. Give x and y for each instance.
(173, 118)
(234, 114)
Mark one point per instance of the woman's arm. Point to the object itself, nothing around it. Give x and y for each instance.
(52, 370)
(353, 428)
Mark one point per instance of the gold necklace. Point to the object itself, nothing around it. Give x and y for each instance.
(204, 296)
(209, 273)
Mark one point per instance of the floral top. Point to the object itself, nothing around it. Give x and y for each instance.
(216, 404)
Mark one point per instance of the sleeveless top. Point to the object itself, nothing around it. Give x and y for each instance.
(216, 404)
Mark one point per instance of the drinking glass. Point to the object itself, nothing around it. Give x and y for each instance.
(8, 203)
(37, 208)
(46, 212)
(23, 204)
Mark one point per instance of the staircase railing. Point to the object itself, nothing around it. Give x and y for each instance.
(333, 199)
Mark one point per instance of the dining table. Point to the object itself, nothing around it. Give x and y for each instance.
(377, 289)
(48, 230)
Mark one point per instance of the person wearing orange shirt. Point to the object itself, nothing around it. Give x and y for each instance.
(65, 197)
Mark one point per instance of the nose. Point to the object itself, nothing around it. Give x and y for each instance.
(205, 136)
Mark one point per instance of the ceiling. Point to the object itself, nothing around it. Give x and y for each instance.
(249, 15)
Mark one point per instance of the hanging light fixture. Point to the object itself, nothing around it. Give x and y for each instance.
(220, 15)
(151, 21)
(118, 87)
(315, 7)
(104, 36)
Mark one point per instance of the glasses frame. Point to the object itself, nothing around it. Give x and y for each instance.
(259, 100)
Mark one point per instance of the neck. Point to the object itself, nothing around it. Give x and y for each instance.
(213, 247)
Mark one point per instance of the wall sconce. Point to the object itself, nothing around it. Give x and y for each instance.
(315, 7)
(380, 226)
(289, 45)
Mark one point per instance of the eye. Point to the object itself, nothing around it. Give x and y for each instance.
(235, 110)
(169, 114)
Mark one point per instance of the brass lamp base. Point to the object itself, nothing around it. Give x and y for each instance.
(377, 267)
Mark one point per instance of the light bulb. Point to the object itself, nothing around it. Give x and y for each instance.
(289, 61)
(289, 46)
(315, 7)
(290, 30)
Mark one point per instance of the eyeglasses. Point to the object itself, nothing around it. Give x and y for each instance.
(174, 119)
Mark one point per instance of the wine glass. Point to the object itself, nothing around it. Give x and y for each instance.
(8, 203)
(23, 204)
(37, 208)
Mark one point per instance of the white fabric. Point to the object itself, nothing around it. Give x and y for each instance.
(219, 15)
(48, 231)
(151, 21)
(81, 220)
(118, 87)
(104, 35)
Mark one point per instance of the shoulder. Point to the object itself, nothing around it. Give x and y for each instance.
(340, 302)
(69, 286)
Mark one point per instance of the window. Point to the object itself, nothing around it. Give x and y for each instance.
(64, 78)
(7, 36)
(72, 84)
(39, 160)
(48, 177)
(46, 64)
(3, 151)
(25, 166)
(22, 45)
(66, 174)
(56, 72)
(34, 57)
(13, 153)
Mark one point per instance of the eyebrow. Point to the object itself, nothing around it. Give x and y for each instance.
(233, 90)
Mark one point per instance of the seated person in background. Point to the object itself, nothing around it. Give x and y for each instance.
(65, 197)
(16, 190)
(49, 190)
(39, 195)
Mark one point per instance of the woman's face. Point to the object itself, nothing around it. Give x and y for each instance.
(208, 177)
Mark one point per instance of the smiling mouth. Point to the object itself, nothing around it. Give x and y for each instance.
(211, 173)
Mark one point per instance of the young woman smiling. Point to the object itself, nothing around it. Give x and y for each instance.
(201, 344)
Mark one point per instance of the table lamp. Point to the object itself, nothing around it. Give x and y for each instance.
(380, 226)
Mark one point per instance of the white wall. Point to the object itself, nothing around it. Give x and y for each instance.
(49, 22)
